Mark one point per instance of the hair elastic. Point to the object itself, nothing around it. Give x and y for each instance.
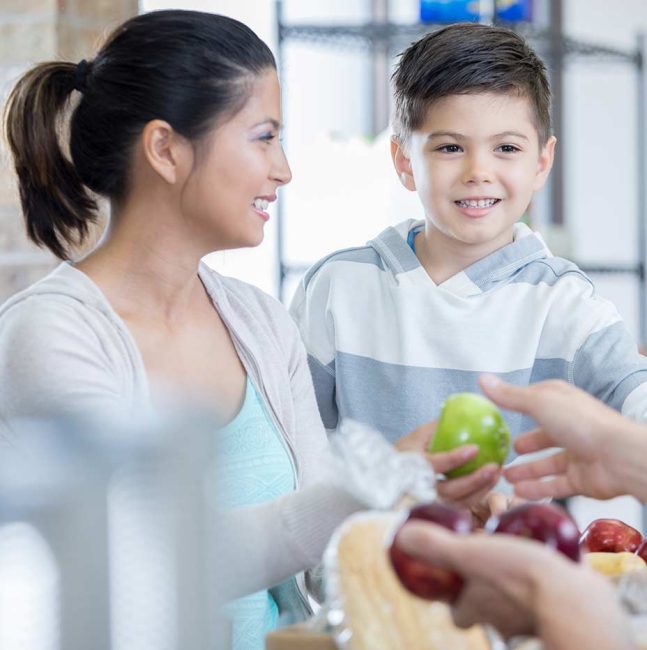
(81, 76)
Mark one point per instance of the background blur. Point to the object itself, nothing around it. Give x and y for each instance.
(336, 109)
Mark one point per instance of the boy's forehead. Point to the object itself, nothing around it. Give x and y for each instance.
(480, 113)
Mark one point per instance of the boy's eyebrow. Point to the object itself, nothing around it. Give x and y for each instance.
(445, 134)
(459, 136)
(516, 134)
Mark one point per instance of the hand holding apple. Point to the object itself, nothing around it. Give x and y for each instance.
(422, 578)
(468, 418)
(521, 587)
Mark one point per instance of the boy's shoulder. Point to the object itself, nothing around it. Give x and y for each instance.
(385, 252)
(551, 270)
(337, 262)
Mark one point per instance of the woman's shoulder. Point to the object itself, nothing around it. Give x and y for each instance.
(63, 307)
(63, 290)
(245, 298)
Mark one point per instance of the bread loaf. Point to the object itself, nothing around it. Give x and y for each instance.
(374, 609)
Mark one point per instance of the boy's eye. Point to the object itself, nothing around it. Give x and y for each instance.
(508, 148)
(449, 148)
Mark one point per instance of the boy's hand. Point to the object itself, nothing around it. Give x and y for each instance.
(466, 490)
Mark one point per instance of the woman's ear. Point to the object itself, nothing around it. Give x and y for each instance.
(168, 153)
(402, 164)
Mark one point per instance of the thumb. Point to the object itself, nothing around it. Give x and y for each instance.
(424, 432)
(427, 542)
(507, 396)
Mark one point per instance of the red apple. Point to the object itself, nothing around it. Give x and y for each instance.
(610, 536)
(642, 549)
(421, 578)
(545, 522)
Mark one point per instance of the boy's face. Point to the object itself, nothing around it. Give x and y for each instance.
(475, 164)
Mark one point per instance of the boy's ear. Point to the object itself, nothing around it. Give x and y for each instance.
(168, 154)
(402, 164)
(545, 163)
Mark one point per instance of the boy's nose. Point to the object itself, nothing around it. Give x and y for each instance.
(476, 171)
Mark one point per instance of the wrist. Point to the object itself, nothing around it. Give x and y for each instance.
(626, 450)
(580, 610)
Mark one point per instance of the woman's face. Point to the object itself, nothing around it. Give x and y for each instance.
(239, 167)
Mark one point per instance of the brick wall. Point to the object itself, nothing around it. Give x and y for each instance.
(32, 31)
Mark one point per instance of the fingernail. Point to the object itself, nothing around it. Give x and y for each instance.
(490, 381)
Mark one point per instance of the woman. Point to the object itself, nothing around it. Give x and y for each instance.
(175, 122)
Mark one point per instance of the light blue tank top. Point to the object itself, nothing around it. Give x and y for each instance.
(254, 467)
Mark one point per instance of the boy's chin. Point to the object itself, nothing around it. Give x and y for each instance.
(486, 239)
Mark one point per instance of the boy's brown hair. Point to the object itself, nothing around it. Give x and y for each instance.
(468, 58)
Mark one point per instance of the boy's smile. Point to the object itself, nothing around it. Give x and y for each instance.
(475, 163)
(476, 207)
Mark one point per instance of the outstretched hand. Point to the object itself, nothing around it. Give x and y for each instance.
(592, 458)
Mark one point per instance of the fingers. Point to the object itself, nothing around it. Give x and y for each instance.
(535, 440)
(557, 487)
(471, 488)
(492, 507)
(427, 542)
(445, 461)
(507, 396)
(478, 556)
(556, 463)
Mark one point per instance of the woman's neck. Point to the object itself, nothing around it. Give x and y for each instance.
(145, 267)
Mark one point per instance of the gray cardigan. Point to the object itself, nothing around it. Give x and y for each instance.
(63, 348)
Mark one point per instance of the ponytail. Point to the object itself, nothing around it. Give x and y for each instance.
(56, 205)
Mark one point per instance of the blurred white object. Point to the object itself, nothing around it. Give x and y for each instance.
(106, 536)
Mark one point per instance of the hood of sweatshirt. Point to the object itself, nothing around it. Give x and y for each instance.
(481, 276)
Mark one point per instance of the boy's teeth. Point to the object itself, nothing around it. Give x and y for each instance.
(261, 204)
(481, 203)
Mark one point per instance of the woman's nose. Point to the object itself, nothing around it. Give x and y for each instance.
(282, 173)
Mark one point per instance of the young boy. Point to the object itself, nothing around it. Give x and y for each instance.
(392, 328)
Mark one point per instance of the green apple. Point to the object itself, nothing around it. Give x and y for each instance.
(468, 418)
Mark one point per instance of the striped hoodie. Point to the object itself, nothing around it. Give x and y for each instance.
(386, 345)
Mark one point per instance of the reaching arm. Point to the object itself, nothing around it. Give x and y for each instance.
(603, 454)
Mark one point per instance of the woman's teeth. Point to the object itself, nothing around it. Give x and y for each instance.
(261, 204)
(480, 203)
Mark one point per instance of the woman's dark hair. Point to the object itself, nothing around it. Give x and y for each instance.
(467, 58)
(185, 67)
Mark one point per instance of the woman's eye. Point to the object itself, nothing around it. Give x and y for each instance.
(508, 148)
(449, 148)
(268, 137)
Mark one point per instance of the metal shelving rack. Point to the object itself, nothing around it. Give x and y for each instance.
(387, 38)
